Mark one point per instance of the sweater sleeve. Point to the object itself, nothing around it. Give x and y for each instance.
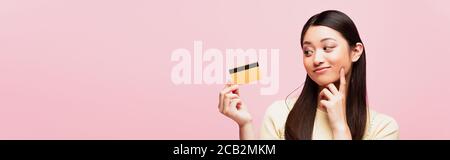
(273, 122)
(384, 128)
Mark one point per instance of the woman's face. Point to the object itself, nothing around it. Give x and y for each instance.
(325, 51)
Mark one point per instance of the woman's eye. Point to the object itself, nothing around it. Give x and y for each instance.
(328, 49)
(307, 52)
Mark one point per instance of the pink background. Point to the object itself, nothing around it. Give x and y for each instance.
(100, 69)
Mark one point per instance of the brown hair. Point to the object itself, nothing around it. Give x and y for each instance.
(300, 121)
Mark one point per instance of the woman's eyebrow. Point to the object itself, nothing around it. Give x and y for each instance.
(325, 39)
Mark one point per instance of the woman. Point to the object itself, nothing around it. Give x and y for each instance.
(333, 101)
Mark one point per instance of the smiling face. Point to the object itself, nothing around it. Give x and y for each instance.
(325, 52)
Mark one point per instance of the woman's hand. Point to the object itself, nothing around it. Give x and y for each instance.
(334, 101)
(230, 105)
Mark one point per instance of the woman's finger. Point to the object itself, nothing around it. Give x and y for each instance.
(232, 96)
(342, 82)
(333, 88)
(235, 102)
(222, 94)
(327, 93)
(227, 100)
(226, 90)
(236, 91)
(324, 103)
(228, 84)
(231, 107)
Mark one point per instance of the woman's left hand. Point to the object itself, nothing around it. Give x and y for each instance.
(334, 101)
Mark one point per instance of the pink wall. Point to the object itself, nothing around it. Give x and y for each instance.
(101, 69)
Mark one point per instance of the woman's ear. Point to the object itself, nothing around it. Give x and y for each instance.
(357, 51)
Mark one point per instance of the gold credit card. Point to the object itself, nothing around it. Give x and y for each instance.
(245, 74)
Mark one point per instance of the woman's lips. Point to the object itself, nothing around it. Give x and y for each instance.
(321, 69)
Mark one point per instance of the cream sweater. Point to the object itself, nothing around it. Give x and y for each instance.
(379, 126)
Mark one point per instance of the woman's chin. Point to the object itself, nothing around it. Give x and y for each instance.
(324, 82)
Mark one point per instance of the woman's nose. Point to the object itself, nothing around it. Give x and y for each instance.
(318, 58)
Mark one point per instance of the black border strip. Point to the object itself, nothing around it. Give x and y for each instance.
(246, 67)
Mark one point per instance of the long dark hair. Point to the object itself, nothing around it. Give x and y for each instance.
(300, 121)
